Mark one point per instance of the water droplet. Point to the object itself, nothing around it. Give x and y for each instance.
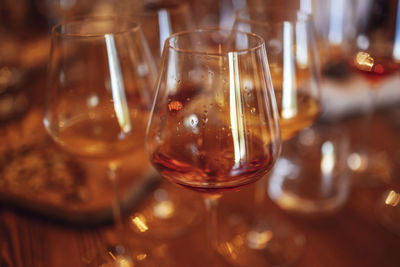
(188, 99)
(253, 110)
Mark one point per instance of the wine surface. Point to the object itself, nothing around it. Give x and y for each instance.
(210, 161)
(102, 138)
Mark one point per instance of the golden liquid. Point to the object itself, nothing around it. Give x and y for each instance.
(307, 109)
(101, 138)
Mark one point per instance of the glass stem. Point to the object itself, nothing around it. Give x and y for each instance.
(211, 204)
(366, 128)
(260, 193)
(112, 172)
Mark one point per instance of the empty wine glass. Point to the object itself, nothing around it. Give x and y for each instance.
(99, 91)
(293, 60)
(214, 123)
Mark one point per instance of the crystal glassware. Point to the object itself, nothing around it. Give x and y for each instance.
(99, 91)
(295, 72)
(214, 124)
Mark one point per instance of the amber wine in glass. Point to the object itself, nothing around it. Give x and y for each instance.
(99, 93)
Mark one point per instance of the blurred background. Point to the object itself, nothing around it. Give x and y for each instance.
(346, 220)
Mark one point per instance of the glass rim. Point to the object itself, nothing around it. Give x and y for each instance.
(259, 45)
(56, 29)
(296, 15)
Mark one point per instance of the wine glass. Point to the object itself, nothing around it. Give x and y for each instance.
(374, 54)
(293, 60)
(165, 212)
(214, 124)
(159, 19)
(99, 91)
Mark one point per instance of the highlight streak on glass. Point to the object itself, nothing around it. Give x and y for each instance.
(117, 86)
(301, 45)
(396, 46)
(236, 108)
(164, 26)
(289, 100)
(327, 165)
(305, 5)
(335, 34)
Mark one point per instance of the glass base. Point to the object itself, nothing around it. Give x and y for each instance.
(370, 168)
(169, 212)
(136, 256)
(388, 211)
(264, 242)
(135, 252)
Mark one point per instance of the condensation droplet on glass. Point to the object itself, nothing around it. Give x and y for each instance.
(143, 70)
(253, 110)
(188, 99)
(92, 100)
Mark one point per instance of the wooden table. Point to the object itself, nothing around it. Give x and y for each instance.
(353, 237)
